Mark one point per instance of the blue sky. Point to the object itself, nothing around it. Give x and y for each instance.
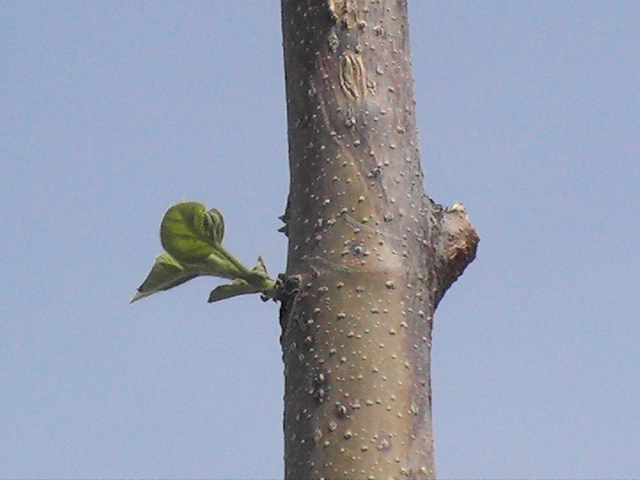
(111, 111)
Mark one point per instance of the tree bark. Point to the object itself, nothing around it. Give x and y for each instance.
(370, 255)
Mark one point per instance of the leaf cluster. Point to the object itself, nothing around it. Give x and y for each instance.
(192, 237)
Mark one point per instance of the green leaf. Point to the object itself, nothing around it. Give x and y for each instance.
(193, 236)
(213, 223)
(166, 273)
(190, 233)
(255, 281)
(238, 287)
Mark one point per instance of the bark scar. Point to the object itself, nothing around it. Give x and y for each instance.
(353, 77)
(343, 11)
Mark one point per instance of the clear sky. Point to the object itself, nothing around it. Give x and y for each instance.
(112, 111)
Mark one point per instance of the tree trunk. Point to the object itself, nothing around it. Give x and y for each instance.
(370, 255)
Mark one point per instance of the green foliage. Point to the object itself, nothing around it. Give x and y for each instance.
(192, 238)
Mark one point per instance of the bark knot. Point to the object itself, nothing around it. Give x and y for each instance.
(457, 246)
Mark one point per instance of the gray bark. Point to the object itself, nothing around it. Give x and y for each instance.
(370, 255)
